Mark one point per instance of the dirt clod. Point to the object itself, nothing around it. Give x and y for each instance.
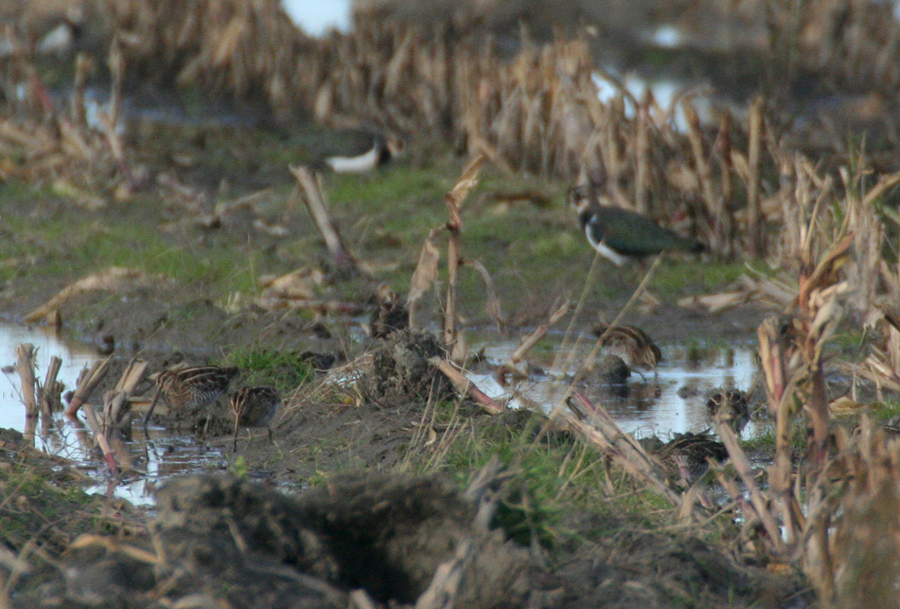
(402, 371)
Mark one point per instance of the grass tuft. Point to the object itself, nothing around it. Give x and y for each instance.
(279, 369)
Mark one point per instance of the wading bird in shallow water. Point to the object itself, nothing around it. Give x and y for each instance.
(629, 343)
(254, 407)
(191, 388)
(732, 406)
(619, 234)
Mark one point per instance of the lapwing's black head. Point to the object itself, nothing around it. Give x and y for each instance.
(581, 197)
(387, 148)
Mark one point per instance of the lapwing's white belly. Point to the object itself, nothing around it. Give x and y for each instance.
(354, 164)
(603, 249)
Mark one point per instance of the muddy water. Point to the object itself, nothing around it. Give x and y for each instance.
(74, 358)
(671, 401)
(161, 454)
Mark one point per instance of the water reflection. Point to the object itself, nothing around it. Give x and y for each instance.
(317, 17)
(74, 357)
(672, 401)
(158, 455)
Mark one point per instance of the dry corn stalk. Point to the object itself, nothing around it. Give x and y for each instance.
(315, 202)
(427, 269)
(454, 201)
(538, 112)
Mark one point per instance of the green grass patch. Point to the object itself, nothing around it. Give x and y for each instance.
(886, 411)
(71, 246)
(674, 279)
(554, 474)
(849, 343)
(764, 441)
(264, 367)
(38, 509)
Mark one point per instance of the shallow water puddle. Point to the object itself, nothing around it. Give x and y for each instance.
(674, 401)
(165, 455)
(74, 358)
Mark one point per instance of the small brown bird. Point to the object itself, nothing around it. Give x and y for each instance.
(254, 407)
(191, 388)
(686, 453)
(629, 343)
(732, 406)
(391, 314)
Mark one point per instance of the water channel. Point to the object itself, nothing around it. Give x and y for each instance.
(671, 401)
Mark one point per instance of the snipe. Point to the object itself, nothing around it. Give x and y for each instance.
(730, 405)
(192, 388)
(687, 453)
(629, 343)
(391, 314)
(254, 407)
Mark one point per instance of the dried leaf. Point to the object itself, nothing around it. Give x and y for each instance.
(716, 303)
(845, 406)
(492, 307)
(467, 181)
(112, 279)
(432, 437)
(296, 285)
(427, 269)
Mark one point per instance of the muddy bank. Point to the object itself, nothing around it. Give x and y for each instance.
(398, 539)
(222, 539)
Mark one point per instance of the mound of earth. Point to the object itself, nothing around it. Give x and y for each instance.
(219, 541)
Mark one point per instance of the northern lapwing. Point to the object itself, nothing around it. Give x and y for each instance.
(619, 234)
(360, 151)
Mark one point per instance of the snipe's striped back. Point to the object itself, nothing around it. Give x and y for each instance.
(732, 406)
(255, 406)
(688, 452)
(195, 387)
(629, 343)
(192, 388)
